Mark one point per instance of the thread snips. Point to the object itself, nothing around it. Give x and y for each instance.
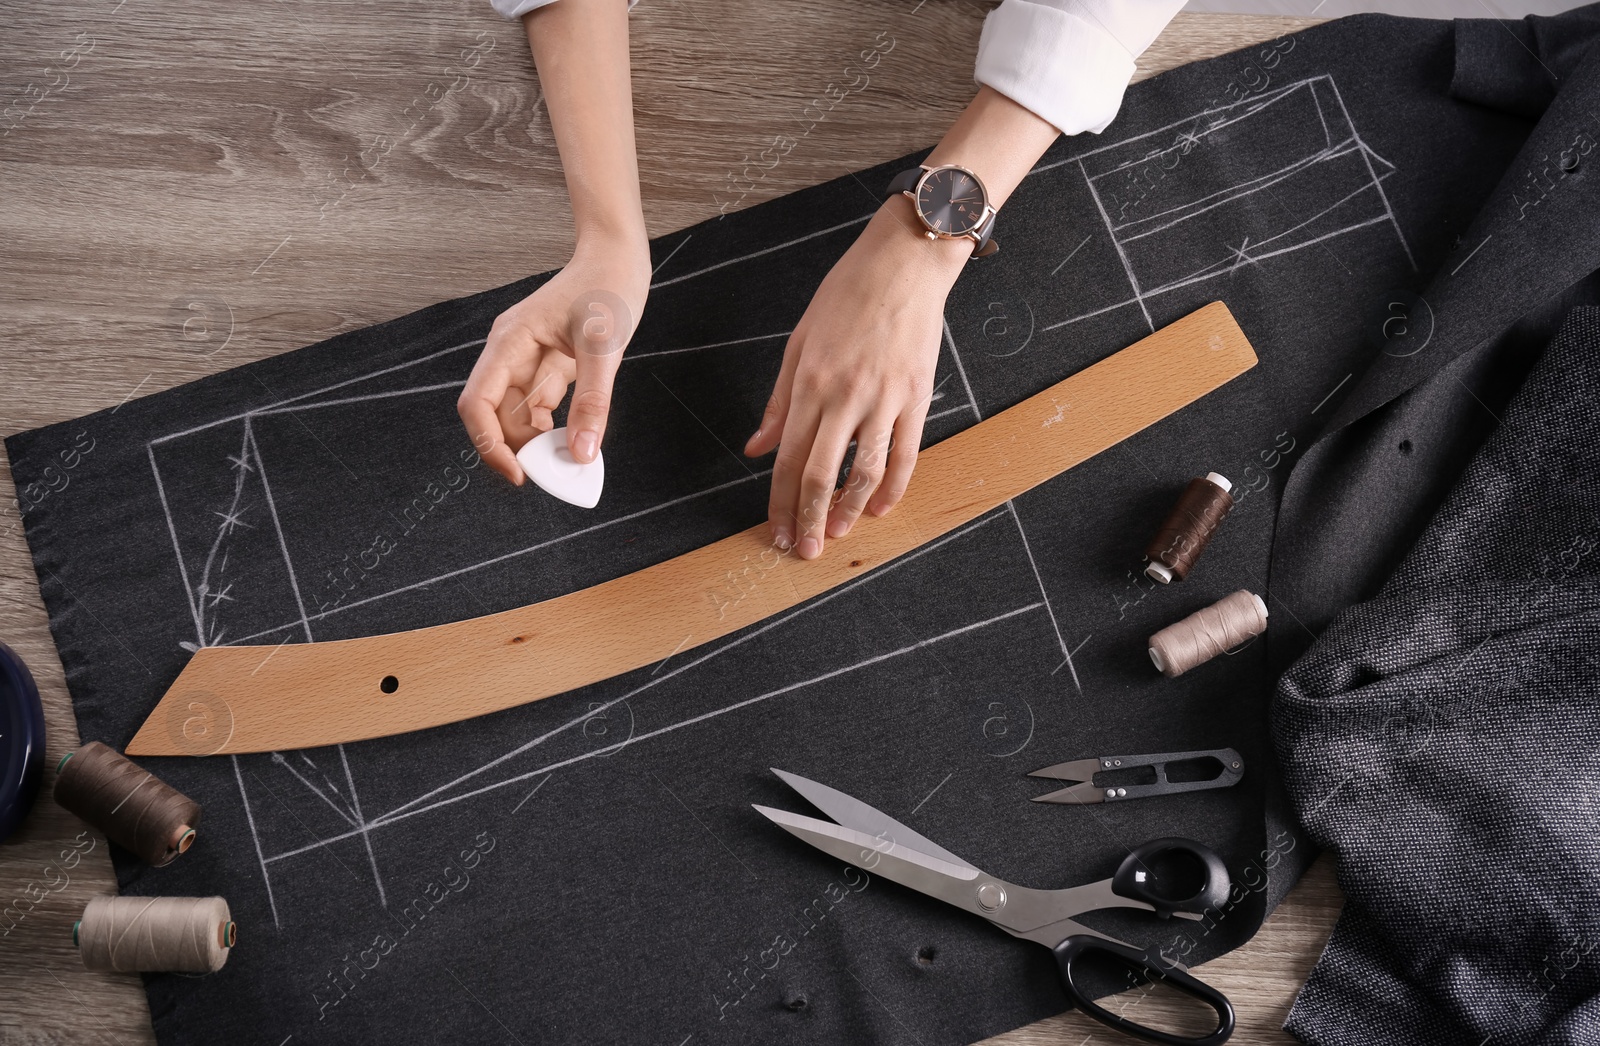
(1113, 778)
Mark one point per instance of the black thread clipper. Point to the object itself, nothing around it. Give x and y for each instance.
(1113, 778)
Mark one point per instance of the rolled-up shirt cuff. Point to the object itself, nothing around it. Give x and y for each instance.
(518, 8)
(1066, 61)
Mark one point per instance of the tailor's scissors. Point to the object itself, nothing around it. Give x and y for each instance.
(874, 841)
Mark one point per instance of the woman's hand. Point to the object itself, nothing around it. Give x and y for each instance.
(578, 323)
(573, 327)
(859, 366)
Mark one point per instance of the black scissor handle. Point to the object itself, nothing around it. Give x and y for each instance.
(1140, 961)
(1173, 875)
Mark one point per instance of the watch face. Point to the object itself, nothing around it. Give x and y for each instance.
(950, 201)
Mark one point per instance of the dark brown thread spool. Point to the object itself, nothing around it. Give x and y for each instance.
(134, 808)
(1188, 528)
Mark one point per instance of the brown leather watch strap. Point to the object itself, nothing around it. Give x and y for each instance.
(260, 698)
(906, 180)
(983, 236)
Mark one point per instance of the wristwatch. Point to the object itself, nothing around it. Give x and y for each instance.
(951, 202)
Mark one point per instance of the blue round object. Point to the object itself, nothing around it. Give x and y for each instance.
(21, 741)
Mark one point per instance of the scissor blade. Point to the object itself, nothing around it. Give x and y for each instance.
(1076, 770)
(883, 855)
(853, 813)
(1019, 910)
(1078, 793)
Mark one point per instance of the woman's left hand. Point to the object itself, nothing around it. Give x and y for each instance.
(859, 366)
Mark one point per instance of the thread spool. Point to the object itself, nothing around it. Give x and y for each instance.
(1188, 528)
(134, 808)
(155, 934)
(1204, 634)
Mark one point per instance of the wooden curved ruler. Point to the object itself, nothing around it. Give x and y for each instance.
(237, 699)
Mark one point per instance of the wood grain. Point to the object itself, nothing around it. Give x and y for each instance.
(211, 184)
(307, 695)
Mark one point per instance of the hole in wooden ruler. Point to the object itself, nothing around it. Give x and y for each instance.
(389, 684)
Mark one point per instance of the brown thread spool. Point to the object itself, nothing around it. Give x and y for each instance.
(1188, 528)
(133, 807)
(155, 934)
(1203, 635)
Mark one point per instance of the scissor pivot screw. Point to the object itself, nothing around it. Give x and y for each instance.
(991, 897)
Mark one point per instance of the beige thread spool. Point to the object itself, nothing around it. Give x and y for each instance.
(155, 934)
(1203, 635)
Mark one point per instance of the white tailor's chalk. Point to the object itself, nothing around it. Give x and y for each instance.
(549, 463)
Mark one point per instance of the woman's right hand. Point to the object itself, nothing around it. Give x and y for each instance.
(574, 327)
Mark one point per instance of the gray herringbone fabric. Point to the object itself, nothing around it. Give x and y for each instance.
(1443, 738)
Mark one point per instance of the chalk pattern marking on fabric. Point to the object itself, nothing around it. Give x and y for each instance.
(1324, 153)
(349, 393)
(346, 974)
(250, 455)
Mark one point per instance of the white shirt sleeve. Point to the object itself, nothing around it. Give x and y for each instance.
(518, 8)
(1068, 61)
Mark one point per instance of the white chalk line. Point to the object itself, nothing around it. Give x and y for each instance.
(780, 691)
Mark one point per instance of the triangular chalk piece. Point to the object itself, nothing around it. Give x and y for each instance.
(549, 463)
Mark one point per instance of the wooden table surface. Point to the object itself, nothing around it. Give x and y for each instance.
(190, 187)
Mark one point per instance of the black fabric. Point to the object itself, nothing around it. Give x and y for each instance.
(1442, 737)
(527, 874)
(1357, 501)
(1518, 67)
(1452, 340)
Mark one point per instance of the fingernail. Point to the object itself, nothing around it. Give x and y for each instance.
(583, 447)
(838, 528)
(810, 548)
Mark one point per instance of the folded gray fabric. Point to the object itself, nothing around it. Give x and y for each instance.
(1442, 738)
